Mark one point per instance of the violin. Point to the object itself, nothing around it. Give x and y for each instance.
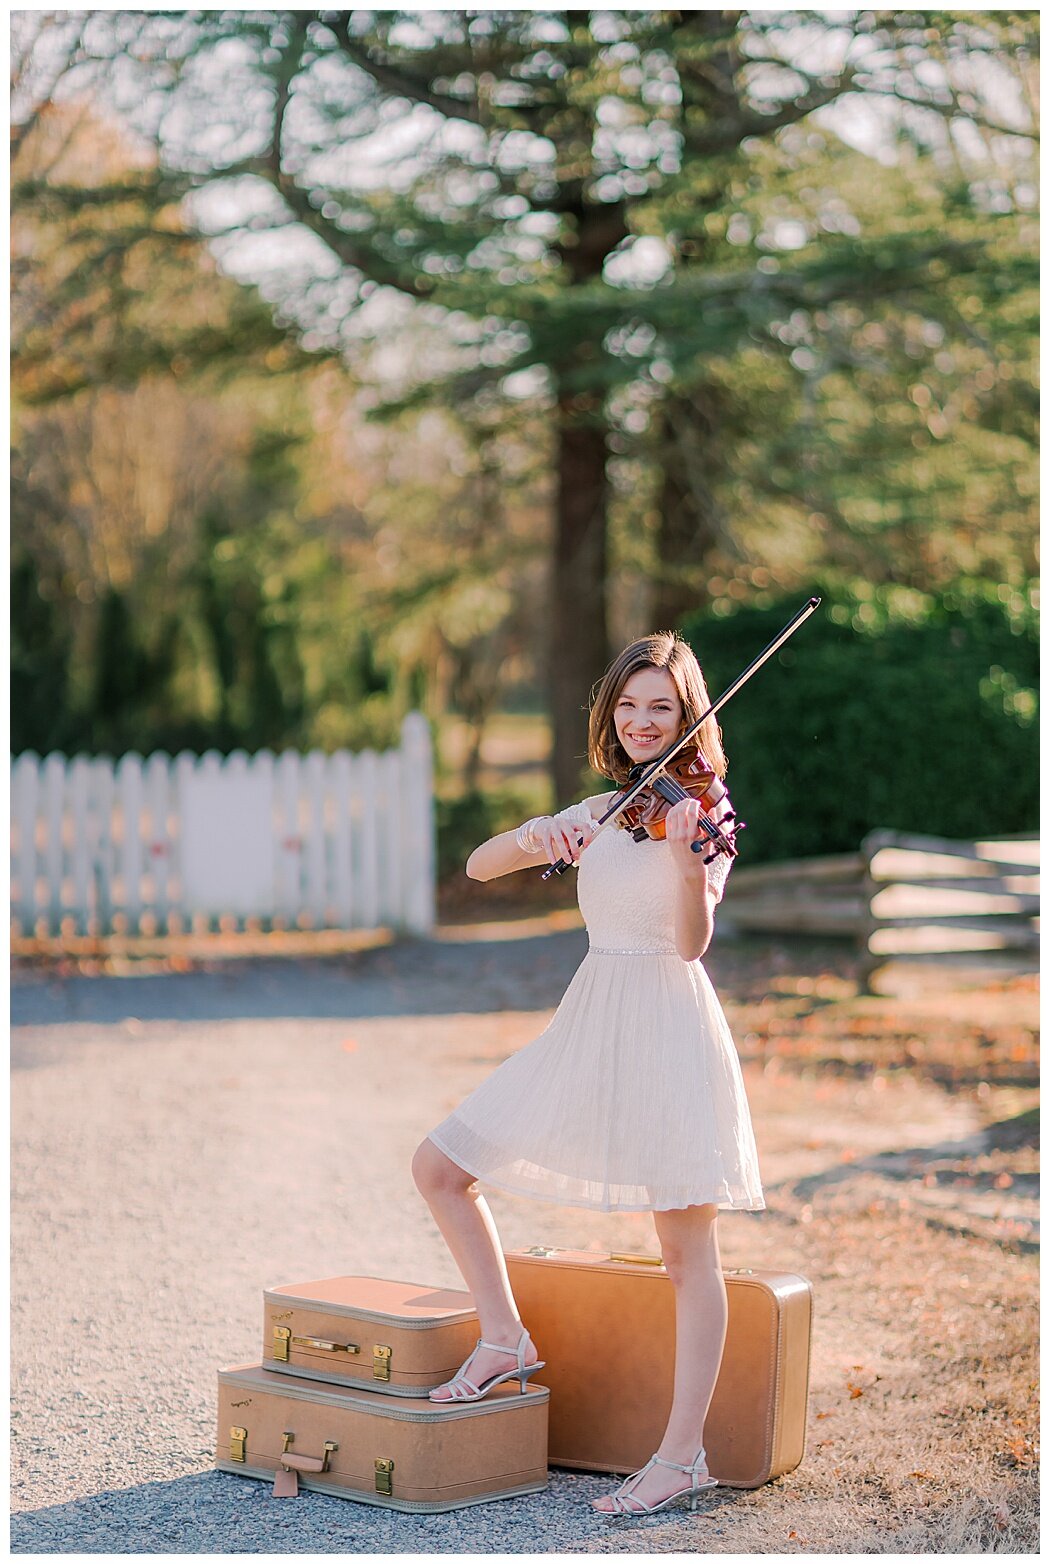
(687, 775)
(661, 777)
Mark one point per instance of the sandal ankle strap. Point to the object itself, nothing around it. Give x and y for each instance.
(691, 1468)
(496, 1346)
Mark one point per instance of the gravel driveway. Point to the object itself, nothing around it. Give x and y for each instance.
(181, 1141)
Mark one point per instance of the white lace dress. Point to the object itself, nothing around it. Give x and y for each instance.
(632, 1098)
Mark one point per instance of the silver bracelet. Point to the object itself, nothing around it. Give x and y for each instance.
(525, 836)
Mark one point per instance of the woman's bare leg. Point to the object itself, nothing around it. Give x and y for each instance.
(689, 1245)
(462, 1213)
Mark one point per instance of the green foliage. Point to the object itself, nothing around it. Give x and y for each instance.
(892, 709)
(41, 647)
(465, 822)
(131, 668)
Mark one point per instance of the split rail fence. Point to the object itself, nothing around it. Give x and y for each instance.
(901, 896)
(161, 845)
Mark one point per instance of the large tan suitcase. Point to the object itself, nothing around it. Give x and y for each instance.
(403, 1454)
(605, 1325)
(400, 1338)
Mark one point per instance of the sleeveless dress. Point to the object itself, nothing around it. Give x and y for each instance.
(632, 1099)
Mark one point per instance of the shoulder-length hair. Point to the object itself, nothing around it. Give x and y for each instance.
(663, 649)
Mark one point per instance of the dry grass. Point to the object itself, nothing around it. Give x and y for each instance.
(923, 1422)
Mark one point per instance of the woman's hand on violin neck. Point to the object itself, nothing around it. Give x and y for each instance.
(682, 827)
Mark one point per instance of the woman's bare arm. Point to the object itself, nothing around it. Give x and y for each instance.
(502, 855)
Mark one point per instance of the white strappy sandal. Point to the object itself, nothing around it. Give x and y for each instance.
(623, 1499)
(461, 1388)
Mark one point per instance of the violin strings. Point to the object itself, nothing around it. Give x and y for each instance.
(674, 793)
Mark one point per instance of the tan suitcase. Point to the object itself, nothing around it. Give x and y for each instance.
(400, 1338)
(605, 1324)
(412, 1455)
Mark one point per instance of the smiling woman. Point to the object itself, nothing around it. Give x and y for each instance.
(648, 711)
(653, 690)
(633, 1098)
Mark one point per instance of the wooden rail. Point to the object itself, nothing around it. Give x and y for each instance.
(901, 896)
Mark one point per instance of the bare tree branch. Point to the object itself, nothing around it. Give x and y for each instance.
(350, 249)
(727, 134)
(399, 82)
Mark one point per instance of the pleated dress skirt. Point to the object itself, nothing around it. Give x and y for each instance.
(631, 1100)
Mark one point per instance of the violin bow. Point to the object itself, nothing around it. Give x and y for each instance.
(659, 765)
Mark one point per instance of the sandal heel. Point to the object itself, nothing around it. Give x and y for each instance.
(527, 1373)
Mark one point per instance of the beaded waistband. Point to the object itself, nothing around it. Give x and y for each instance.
(651, 950)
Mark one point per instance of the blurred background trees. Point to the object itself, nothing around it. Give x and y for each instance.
(365, 360)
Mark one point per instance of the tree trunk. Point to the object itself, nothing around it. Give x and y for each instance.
(695, 444)
(579, 642)
(690, 524)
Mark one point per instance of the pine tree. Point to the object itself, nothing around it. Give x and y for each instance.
(538, 148)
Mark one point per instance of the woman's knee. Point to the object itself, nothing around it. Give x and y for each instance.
(687, 1239)
(433, 1171)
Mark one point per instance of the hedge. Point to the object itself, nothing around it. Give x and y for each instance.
(892, 710)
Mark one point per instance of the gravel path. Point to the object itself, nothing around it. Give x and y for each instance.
(181, 1141)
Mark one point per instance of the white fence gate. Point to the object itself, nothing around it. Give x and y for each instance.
(161, 845)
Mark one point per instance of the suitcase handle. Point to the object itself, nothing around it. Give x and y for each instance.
(307, 1463)
(638, 1259)
(325, 1346)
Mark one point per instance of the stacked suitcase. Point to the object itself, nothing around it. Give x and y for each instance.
(339, 1400)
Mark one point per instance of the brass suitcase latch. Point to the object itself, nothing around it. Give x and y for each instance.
(381, 1362)
(282, 1343)
(238, 1444)
(384, 1481)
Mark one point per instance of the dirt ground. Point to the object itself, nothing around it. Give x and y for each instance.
(898, 1139)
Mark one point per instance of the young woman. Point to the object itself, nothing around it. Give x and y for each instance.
(632, 1099)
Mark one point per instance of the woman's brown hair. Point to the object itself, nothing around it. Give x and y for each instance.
(664, 649)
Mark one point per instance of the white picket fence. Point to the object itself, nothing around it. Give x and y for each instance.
(166, 845)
